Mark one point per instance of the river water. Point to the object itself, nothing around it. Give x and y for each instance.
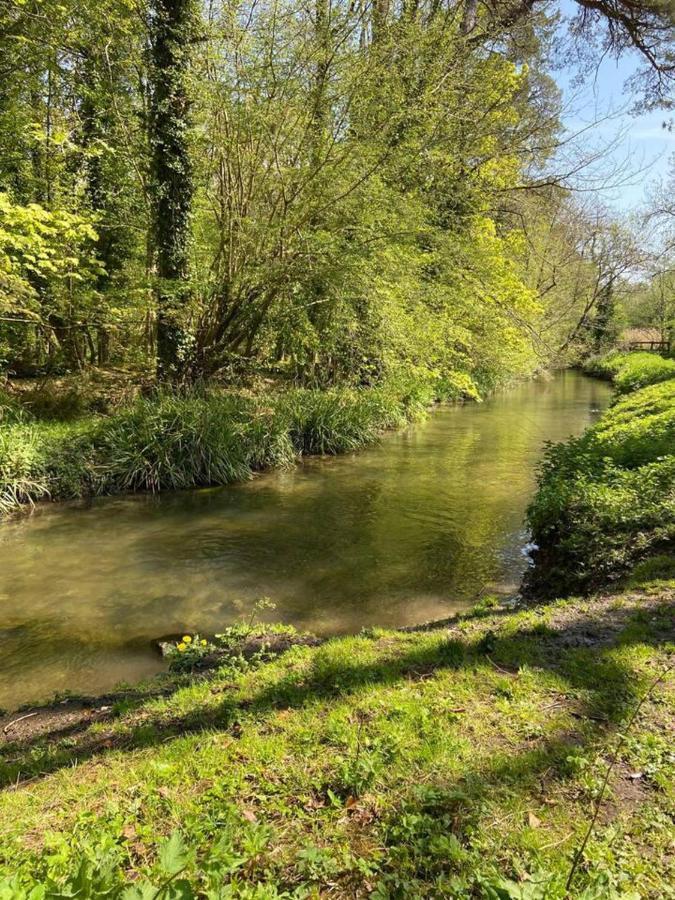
(413, 529)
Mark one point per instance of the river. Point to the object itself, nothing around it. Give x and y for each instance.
(416, 528)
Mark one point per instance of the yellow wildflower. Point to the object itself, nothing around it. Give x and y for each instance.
(187, 639)
(180, 647)
(203, 643)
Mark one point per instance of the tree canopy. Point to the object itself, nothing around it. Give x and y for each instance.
(333, 191)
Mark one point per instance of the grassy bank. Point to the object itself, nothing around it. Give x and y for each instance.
(630, 371)
(170, 442)
(463, 761)
(607, 499)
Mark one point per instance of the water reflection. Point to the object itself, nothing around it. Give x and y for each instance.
(410, 530)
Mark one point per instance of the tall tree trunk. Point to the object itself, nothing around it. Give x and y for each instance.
(173, 27)
(469, 15)
(604, 327)
(97, 125)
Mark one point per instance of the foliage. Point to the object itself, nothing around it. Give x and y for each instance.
(39, 247)
(651, 304)
(607, 499)
(630, 371)
(253, 188)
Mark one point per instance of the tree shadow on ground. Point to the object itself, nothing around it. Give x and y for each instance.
(575, 649)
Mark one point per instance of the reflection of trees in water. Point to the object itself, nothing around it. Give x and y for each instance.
(433, 517)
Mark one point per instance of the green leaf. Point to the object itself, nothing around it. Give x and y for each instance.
(140, 891)
(173, 854)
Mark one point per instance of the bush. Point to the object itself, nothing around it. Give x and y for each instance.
(48, 402)
(606, 499)
(40, 461)
(607, 365)
(590, 528)
(23, 476)
(338, 421)
(638, 428)
(172, 443)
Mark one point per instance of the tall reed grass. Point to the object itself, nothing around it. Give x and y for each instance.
(170, 442)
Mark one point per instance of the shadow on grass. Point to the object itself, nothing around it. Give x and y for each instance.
(576, 652)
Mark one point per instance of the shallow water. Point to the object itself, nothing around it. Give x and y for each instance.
(413, 529)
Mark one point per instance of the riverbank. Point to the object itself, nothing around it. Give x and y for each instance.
(462, 761)
(631, 371)
(211, 437)
(606, 500)
(417, 527)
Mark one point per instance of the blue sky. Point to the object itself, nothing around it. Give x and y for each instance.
(642, 149)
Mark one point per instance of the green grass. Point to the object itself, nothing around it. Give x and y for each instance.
(11, 411)
(461, 762)
(630, 371)
(169, 442)
(606, 500)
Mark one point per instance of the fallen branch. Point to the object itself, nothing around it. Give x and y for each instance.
(16, 721)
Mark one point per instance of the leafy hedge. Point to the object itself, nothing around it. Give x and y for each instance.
(170, 442)
(606, 499)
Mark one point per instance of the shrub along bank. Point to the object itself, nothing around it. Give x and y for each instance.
(170, 442)
(607, 498)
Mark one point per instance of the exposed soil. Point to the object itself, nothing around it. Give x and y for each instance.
(628, 790)
(63, 717)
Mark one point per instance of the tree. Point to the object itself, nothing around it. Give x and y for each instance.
(172, 31)
(615, 255)
(646, 26)
(326, 192)
(652, 303)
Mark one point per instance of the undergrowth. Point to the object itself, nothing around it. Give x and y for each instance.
(630, 371)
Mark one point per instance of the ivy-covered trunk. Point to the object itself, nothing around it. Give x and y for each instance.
(172, 31)
(604, 329)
